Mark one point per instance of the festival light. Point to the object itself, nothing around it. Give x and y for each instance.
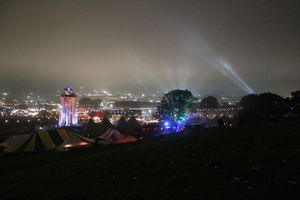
(68, 113)
(83, 143)
(228, 71)
(167, 124)
(203, 50)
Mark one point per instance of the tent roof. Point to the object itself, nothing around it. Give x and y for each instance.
(46, 140)
(76, 140)
(13, 139)
(115, 136)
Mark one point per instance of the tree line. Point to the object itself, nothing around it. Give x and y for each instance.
(177, 104)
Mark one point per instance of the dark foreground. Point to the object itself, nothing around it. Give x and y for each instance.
(260, 161)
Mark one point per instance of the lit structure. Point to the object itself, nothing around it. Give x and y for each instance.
(68, 112)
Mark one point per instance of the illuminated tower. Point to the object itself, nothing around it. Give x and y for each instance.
(68, 113)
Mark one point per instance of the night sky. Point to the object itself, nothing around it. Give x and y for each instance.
(208, 47)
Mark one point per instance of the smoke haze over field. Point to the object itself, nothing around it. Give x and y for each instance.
(211, 47)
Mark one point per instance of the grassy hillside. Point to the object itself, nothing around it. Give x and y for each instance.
(260, 161)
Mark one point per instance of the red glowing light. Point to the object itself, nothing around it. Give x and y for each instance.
(83, 143)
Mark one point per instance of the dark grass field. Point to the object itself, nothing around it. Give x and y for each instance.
(257, 161)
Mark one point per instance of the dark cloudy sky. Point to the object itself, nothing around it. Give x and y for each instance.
(210, 47)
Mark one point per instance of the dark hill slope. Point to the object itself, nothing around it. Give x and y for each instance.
(260, 161)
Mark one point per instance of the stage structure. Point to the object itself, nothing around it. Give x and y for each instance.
(68, 112)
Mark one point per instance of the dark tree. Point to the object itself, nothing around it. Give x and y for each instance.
(176, 104)
(105, 124)
(85, 101)
(262, 106)
(221, 122)
(91, 128)
(296, 96)
(134, 104)
(295, 101)
(123, 125)
(89, 102)
(247, 101)
(269, 104)
(91, 122)
(133, 124)
(98, 102)
(209, 102)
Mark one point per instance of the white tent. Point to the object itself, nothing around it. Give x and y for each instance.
(111, 135)
(114, 136)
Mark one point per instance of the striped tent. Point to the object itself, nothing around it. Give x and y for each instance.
(12, 140)
(75, 141)
(47, 140)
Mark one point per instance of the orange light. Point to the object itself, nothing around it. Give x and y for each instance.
(83, 143)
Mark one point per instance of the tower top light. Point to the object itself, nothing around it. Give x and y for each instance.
(68, 91)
